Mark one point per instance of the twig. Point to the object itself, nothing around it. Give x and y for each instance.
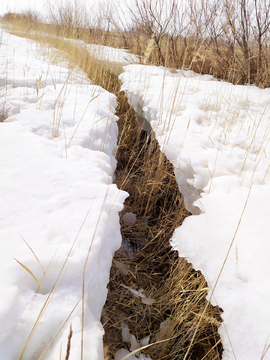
(69, 343)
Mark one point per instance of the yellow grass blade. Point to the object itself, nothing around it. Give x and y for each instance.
(26, 268)
(33, 254)
(144, 347)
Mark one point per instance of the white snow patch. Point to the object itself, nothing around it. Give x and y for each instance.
(59, 207)
(127, 337)
(107, 53)
(129, 219)
(139, 294)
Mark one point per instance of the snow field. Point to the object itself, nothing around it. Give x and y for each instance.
(59, 207)
(217, 137)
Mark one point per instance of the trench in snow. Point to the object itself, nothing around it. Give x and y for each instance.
(173, 294)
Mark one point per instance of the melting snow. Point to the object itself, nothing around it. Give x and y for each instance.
(59, 207)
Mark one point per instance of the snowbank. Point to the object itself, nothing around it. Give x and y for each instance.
(107, 53)
(59, 207)
(217, 137)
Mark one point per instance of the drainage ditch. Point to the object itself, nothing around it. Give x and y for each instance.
(173, 294)
(154, 297)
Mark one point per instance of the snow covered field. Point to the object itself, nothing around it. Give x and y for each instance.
(217, 137)
(59, 209)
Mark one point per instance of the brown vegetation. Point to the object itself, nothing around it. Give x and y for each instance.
(229, 40)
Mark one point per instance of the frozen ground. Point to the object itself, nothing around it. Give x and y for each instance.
(59, 208)
(217, 137)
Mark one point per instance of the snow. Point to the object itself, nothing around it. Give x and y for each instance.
(59, 208)
(124, 354)
(129, 219)
(134, 345)
(217, 137)
(112, 54)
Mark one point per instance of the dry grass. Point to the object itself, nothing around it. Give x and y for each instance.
(202, 39)
(31, 27)
(179, 291)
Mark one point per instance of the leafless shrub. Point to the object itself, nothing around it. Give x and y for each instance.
(154, 19)
(227, 39)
